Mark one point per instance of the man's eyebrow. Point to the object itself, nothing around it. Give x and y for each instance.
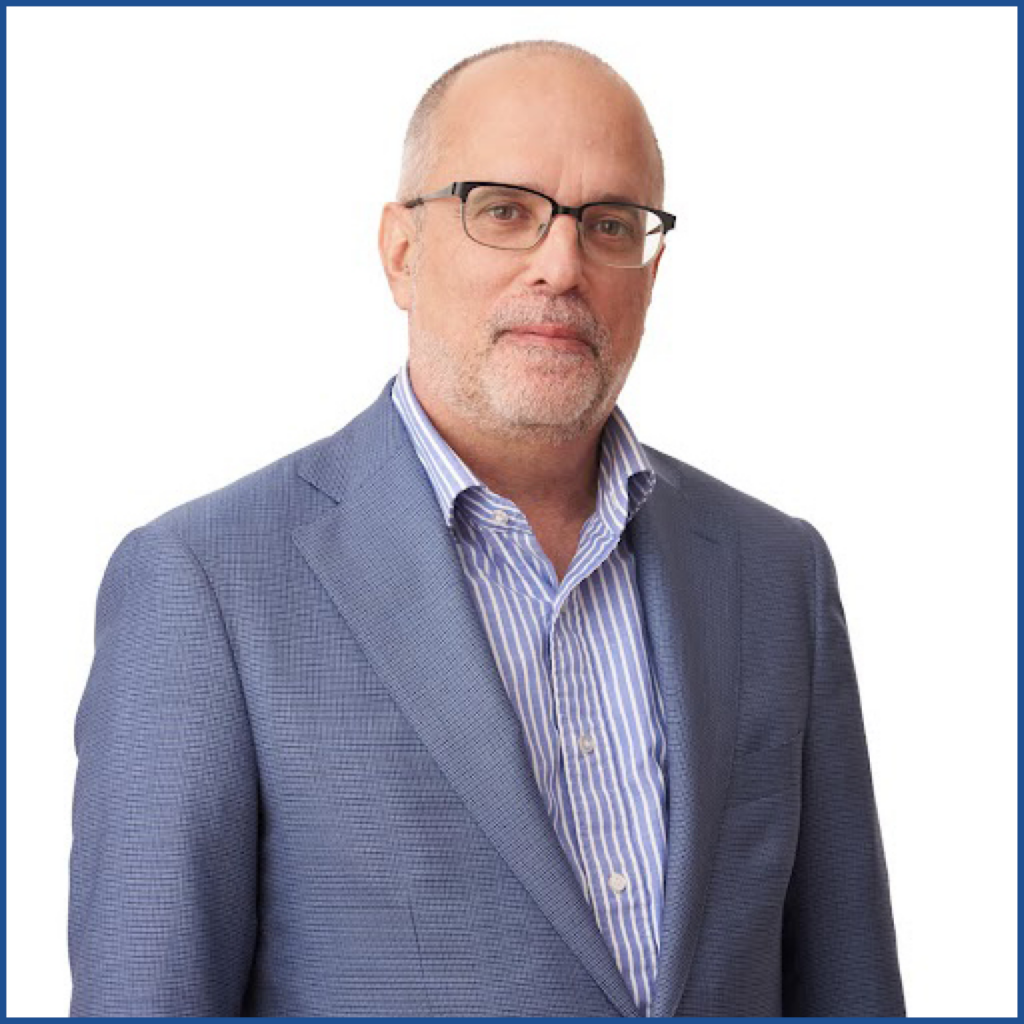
(604, 197)
(614, 197)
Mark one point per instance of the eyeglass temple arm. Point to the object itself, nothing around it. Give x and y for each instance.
(441, 193)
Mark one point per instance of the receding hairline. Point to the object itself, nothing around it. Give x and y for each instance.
(421, 137)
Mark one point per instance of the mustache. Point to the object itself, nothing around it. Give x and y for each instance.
(575, 317)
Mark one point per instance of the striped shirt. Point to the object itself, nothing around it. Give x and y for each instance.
(573, 659)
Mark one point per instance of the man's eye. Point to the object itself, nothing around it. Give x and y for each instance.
(613, 228)
(503, 212)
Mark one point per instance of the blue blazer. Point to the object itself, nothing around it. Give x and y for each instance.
(302, 790)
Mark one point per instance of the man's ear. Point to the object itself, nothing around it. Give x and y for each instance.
(396, 242)
(657, 263)
(654, 275)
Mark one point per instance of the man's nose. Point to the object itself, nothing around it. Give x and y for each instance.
(558, 259)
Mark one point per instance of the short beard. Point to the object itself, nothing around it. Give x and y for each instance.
(490, 390)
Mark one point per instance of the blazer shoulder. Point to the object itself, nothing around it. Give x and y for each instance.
(293, 489)
(266, 503)
(755, 521)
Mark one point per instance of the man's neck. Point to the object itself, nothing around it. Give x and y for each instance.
(555, 482)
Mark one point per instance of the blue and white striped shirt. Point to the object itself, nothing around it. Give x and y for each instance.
(573, 658)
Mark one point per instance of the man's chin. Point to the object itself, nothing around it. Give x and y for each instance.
(537, 416)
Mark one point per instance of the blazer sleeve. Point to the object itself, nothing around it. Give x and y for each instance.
(164, 857)
(839, 942)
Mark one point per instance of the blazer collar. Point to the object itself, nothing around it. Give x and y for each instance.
(687, 564)
(387, 559)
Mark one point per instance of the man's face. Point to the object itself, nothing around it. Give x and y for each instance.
(572, 132)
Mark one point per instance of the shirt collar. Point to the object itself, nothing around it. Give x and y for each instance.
(625, 479)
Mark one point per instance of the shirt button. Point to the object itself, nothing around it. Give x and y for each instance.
(587, 744)
(501, 518)
(617, 883)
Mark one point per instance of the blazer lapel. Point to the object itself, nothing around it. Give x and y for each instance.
(686, 561)
(389, 563)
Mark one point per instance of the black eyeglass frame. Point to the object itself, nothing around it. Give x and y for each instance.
(461, 190)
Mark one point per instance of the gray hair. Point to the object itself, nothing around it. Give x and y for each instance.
(421, 143)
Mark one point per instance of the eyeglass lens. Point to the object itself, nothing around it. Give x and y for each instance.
(510, 218)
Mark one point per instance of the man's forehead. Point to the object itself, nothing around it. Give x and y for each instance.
(518, 119)
(511, 82)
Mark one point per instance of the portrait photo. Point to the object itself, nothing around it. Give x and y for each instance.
(512, 511)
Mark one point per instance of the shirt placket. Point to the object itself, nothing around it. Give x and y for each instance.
(588, 761)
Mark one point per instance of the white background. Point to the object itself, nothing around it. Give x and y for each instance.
(194, 291)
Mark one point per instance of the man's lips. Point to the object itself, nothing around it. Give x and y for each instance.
(564, 338)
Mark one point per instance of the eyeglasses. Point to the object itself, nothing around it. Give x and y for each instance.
(624, 235)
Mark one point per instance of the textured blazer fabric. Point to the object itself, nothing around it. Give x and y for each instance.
(302, 789)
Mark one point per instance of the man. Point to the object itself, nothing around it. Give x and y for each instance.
(479, 706)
